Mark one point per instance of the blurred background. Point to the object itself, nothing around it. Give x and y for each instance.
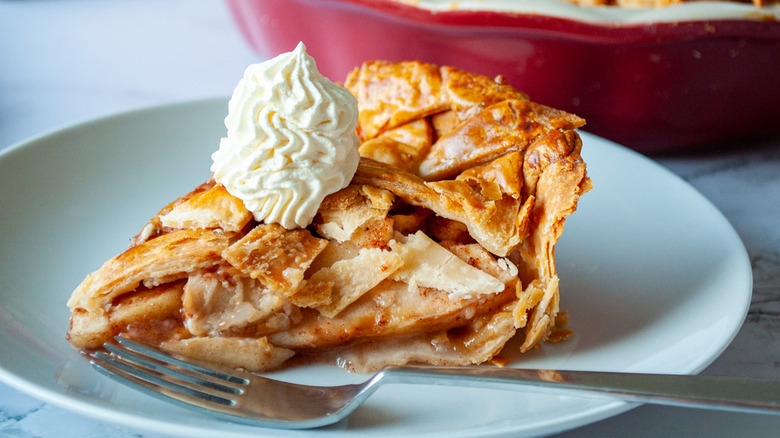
(65, 61)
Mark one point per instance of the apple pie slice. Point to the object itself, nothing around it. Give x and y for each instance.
(438, 251)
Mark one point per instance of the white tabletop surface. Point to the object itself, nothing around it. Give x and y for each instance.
(62, 62)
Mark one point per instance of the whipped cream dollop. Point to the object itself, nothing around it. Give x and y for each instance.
(290, 140)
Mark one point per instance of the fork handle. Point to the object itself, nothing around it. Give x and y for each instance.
(739, 394)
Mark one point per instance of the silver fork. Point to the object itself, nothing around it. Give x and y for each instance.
(248, 398)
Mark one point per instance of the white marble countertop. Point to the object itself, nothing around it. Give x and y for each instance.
(62, 62)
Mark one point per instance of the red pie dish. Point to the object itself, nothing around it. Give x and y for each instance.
(657, 80)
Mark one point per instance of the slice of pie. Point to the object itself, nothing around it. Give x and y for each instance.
(439, 251)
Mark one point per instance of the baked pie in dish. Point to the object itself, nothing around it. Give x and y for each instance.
(438, 250)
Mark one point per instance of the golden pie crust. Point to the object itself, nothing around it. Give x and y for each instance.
(440, 250)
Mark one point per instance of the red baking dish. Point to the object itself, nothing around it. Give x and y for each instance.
(656, 86)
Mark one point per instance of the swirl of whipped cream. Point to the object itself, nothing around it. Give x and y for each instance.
(290, 140)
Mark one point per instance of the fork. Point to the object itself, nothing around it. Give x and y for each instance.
(249, 398)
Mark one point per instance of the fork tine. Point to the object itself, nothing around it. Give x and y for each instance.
(269, 403)
(149, 351)
(154, 384)
(161, 368)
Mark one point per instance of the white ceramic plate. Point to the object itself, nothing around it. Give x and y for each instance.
(653, 276)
